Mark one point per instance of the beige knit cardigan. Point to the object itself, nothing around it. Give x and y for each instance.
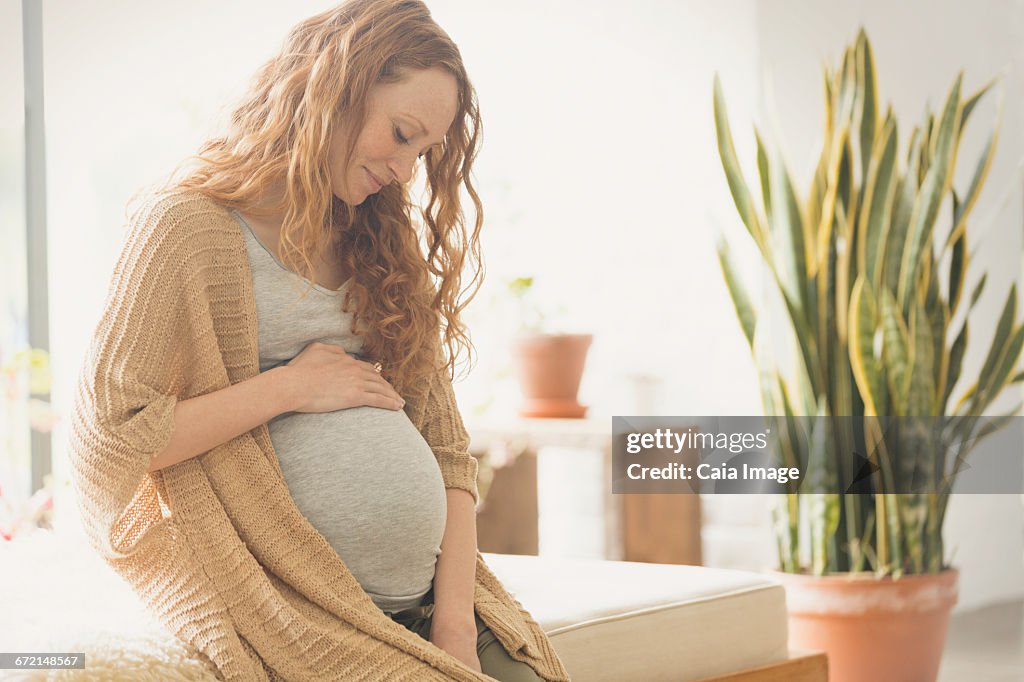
(215, 545)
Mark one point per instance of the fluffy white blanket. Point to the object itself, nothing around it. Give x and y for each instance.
(57, 595)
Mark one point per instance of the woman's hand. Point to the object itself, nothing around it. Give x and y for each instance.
(324, 378)
(459, 642)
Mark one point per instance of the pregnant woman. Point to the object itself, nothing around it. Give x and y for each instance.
(265, 441)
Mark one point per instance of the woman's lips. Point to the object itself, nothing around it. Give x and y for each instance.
(375, 183)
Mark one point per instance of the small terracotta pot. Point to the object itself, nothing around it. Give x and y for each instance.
(882, 630)
(550, 367)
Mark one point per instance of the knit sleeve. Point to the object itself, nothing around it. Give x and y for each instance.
(123, 413)
(446, 434)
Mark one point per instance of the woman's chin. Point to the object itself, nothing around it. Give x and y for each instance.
(345, 198)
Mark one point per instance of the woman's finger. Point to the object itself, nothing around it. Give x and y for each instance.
(379, 400)
(382, 388)
(368, 366)
(370, 375)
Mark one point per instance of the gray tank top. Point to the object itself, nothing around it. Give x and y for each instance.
(364, 476)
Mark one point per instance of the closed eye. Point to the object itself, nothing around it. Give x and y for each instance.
(401, 139)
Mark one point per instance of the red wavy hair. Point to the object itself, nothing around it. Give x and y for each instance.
(407, 276)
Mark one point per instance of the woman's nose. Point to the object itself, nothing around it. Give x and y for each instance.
(402, 167)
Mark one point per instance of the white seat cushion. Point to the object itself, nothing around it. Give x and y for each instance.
(618, 620)
(607, 620)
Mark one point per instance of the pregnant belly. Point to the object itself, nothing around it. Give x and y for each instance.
(369, 483)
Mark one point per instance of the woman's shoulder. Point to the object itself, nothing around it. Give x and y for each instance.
(181, 229)
(168, 210)
(181, 222)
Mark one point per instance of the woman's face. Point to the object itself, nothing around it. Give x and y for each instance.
(403, 120)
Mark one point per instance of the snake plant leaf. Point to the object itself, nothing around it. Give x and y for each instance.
(978, 288)
(787, 235)
(864, 543)
(938, 319)
(893, 534)
(808, 378)
(921, 395)
(733, 174)
(824, 293)
(846, 196)
(992, 425)
(824, 516)
(935, 186)
(956, 360)
(929, 282)
(881, 456)
(914, 150)
(764, 173)
(973, 100)
(913, 515)
(967, 439)
(793, 509)
(878, 201)
(1017, 378)
(928, 131)
(793, 439)
(807, 385)
(1001, 374)
(764, 361)
(869, 102)
(969, 395)
(866, 367)
(896, 352)
(842, 289)
(946, 137)
(819, 188)
(981, 170)
(744, 310)
(933, 534)
(823, 230)
(924, 151)
(906, 192)
(919, 230)
(952, 112)
(820, 473)
(785, 526)
(844, 247)
(957, 270)
(847, 90)
(996, 352)
(829, 110)
(798, 454)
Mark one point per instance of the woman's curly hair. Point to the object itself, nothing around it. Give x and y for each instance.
(406, 279)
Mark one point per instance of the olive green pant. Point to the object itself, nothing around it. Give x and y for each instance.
(494, 660)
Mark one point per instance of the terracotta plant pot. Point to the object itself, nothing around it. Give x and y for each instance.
(882, 630)
(550, 367)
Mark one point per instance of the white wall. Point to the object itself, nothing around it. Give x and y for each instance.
(599, 172)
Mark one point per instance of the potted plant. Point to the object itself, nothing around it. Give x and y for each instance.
(549, 364)
(870, 285)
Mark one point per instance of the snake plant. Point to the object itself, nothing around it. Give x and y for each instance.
(871, 281)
